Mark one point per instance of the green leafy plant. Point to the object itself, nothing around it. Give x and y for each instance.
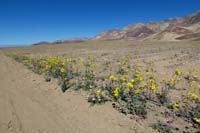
(162, 127)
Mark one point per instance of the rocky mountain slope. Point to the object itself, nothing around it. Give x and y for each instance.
(180, 28)
(72, 40)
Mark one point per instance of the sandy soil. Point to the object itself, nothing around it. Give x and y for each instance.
(28, 104)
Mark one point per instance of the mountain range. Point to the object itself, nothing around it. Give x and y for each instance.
(174, 29)
(180, 28)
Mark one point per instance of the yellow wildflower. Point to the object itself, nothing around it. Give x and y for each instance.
(164, 79)
(192, 95)
(178, 71)
(123, 78)
(175, 105)
(123, 67)
(62, 70)
(143, 85)
(149, 73)
(185, 101)
(98, 91)
(84, 78)
(192, 83)
(137, 72)
(178, 79)
(172, 80)
(137, 75)
(198, 86)
(137, 91)
(194, 76)
(187, 73)
(126, 70)
(197, 120)
(113, 78)
(130, 85)
(140, 78)
(116, 92)
(47, 67)
(153, 86)
(151, 80)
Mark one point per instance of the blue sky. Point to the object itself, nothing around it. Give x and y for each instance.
(29, 21)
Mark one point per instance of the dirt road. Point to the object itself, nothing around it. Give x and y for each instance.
(28, 104)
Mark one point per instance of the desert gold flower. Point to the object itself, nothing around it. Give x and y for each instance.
(175, 105)
(197, 120)
(126, 70)
(98, 91)
(137, 75)
(84, 78)
(62, 70)
(143, 85)
(47, 67)
(192, 83)
(140, 78)
(130, 85)
(172, 80)
(178, 71)
(123, 78)
(153, 86)
(194, 76)
(116, 92)
(192, 95)
(132, 80)
(137, 91)
(149, 73)
(151, 80)
(178, 79)
(137, 72)
(164, 79)
(185, 100)
(187, 73)
(198, 86)
(113, 78)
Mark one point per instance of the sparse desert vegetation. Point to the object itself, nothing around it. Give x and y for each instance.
(155, 84)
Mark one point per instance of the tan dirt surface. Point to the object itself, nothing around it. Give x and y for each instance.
(28, 104)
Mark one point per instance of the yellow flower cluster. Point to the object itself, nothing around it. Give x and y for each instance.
(198, 86)
(197, 120)
(54, 60)
(130, 85)
(123, 78)
(47, 67)
(143, 85)
(112, 78)
(153, 86)
(98, 92)
(138, 76)
(116, 92)
(192, 95)
(62, 70)
(172, 80)
(178, 71)
(175, 105)
(137, 91)
(164, 79)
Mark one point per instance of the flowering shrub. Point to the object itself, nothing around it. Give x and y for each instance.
(131, 87)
